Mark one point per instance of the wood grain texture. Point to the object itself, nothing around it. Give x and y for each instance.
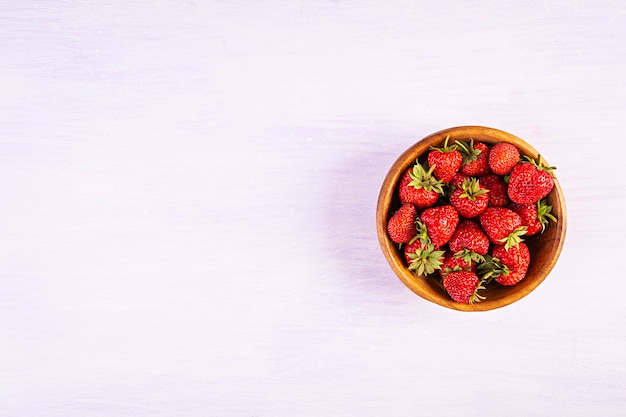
(189, 192)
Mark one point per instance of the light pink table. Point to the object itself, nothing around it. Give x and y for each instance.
(187, 207)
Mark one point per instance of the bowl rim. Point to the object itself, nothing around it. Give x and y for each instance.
(386, 194)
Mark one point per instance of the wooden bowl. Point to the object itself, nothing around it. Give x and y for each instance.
(544, 248)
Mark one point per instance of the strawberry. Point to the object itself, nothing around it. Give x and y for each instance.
(475, 158)
(503, 157)
(452, 262)
(468, 220)
(411, 247)
(420, 187)
(470, 199)
(498, 196)
(458, 179)
(534, 216)
(422, 257)
(528, 213)
(503, 226)
(440, 223)
(462, 286)
(530, 181)
(469, 236)
(516, 259)
(401, 226)
(445, 161)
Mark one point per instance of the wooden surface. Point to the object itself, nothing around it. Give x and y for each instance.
(189, 193)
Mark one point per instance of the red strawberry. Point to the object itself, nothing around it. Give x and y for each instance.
(401, 226)
(422, 257)
(516, 259)
(534, 216)
(528, 214)
(446, 161)
(452, 262)
(470, 199)
(420, 187)
(502, 225)
(458, 179)
(530, 181)
(411, 247)
(498, 196)
(469, 236)
(503, 157)
(440, 223)
(475, 158)
(462, 286)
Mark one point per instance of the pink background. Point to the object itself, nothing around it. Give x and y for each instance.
(187, 207)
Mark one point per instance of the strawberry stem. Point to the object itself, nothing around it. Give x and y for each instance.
(471, 189)
(445, 147)
(544, 214)
(422, 233)
(422, 178)
(470, 154)
(469, 256)
(426, 260)
(514, 238)
(475, 297)
(492, 268)
(539, 164)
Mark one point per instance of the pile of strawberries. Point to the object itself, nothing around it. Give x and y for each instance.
(465, 212)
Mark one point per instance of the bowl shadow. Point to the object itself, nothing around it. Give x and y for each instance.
(351, 217)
